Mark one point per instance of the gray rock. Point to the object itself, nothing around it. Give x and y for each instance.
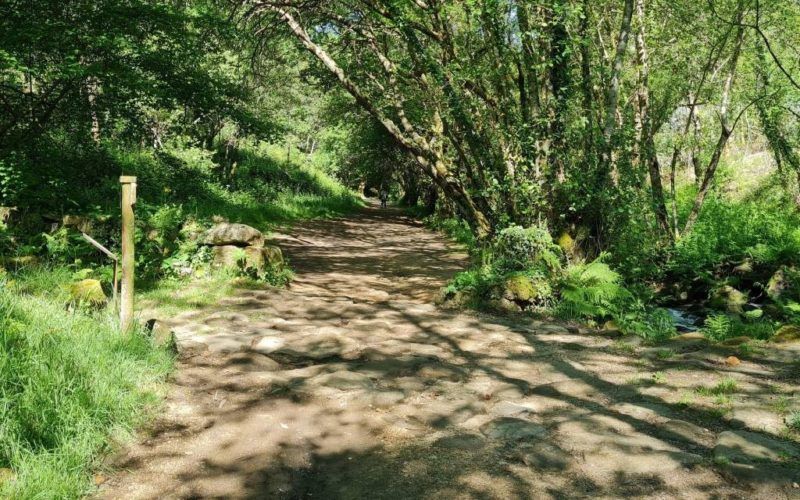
(509, 409)
(729, 299)
(504, 305)
(252, 257)
(743, 446)
(267, 345)
(343, 380)
(162, 333)
(226, 233)
(687, 430)
(513, 429)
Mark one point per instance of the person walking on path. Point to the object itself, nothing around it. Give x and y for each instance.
(384, 196)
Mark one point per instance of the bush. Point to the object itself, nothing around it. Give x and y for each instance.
(731, 231)
(522, 249)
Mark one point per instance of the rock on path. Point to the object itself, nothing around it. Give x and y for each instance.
(350, 384)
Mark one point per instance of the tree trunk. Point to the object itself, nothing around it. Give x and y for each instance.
(428, 159)
(91, 96)
(782, 151)
(612, 93)
(726, 129)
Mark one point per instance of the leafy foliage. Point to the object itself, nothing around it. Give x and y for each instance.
(720, 327)
(591, 290)
(520, 249)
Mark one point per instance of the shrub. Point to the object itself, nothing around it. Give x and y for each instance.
(523, 249)
(731, 231)
(793, 421)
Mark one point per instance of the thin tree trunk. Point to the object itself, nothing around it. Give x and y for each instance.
(586, 79)
(726, 129)
(427, 158)
(91, 96)
(646, 129)
(782, 151)
(612, 94)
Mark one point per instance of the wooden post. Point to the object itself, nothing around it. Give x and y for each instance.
(126, 293)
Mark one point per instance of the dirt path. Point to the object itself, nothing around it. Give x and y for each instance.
(351, 384)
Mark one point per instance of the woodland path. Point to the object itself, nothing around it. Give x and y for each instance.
(352, 384)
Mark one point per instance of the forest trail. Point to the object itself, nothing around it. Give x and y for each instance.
(351, 384)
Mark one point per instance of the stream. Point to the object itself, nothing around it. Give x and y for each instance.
(686, 319)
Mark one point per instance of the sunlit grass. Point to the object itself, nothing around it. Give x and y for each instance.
(70, 385)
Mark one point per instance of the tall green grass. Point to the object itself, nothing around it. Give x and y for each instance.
(70, 385)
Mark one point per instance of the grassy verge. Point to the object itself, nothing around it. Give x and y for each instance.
(70, 385)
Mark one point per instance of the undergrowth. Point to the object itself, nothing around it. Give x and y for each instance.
(70, 385)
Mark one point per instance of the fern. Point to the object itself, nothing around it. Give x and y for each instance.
(591, 290)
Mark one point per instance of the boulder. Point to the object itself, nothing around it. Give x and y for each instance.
(252, 257)
(787, 333)
(688, 342)
(6, 213)
(780, 283)
(227, 256)
(455, 300)
(729, 299)
(161, 332)
(521, 288)
(79, 222)
(229, 234)
(611, 329)
(272, 255)
(87, 292)
(566, 242)
(745, 267)
(504, 305)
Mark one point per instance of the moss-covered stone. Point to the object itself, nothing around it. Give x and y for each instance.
(783, 284)
(252, 257)
(521, 288)
(227, 234)
(566, 242)
(729, 299)
(87, 292)
(787, 333)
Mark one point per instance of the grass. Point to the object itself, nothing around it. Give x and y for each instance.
(665, 353)
(724, 387)
(171, 297)
(781, 405)
(70, 385)
(659, 378)
(793, 421)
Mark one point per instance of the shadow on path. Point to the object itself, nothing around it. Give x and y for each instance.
(351, 384)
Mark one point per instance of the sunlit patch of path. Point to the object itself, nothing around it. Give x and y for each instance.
(351, 384)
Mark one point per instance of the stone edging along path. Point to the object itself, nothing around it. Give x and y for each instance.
(351, 384)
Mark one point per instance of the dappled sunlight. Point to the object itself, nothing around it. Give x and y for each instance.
(350, 384)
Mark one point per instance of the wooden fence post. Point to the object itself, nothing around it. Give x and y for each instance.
(126, 292)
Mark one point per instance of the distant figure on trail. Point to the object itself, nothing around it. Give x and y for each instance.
(383, 195)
